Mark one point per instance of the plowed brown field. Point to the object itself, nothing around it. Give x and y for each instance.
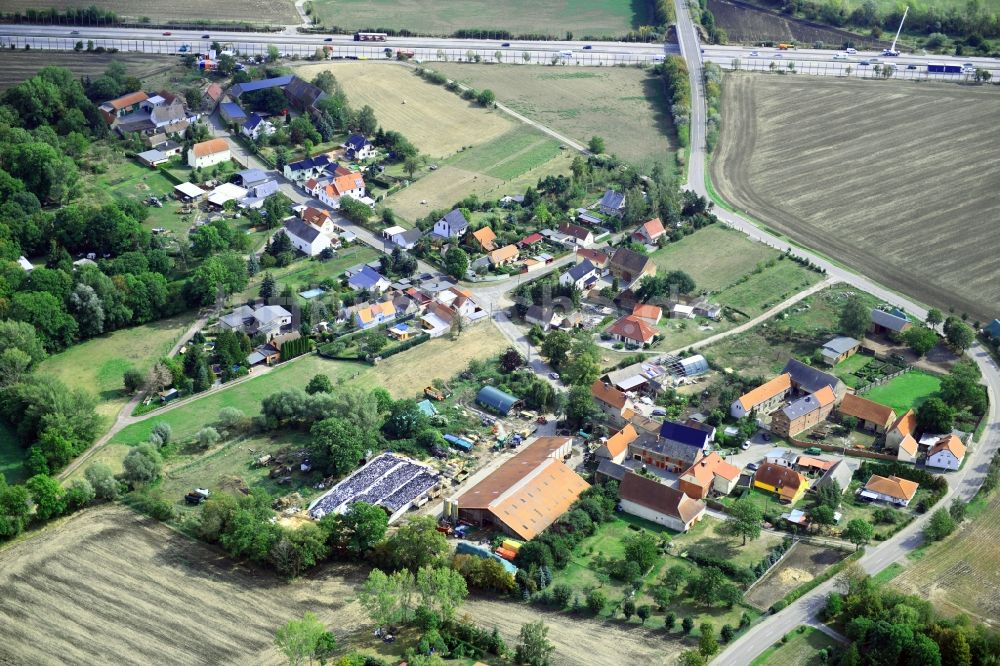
(897, 180)
(16, 66)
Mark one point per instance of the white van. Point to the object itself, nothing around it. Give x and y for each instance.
(851, 51)
(566, 54)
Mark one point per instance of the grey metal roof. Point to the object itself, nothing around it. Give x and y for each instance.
(612, 469)
(840, 473)
(300, 229)
(671, 449)
(268, 313)
(841, 344)
(809, 378)
(613, 200)
(581, 270)
(250, 177)
(801, 407)
(889, 320)
(496, 399)
(260, 84)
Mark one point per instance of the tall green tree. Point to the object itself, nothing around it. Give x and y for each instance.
(534, 649)
(859, 532)
(745, 520)
(855, 317)
(298, 639)
(339, 444)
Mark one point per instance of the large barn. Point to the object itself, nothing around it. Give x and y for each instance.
(524, 495)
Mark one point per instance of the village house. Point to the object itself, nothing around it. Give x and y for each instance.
(581, 236)
(617, 406)
(257, 194)
(209, 153)
(540, 315)
(482, 239)
(251, 177)
(319, 218)
(256, 127)
(891, 489)
(612, 203)
(783, 481)
(900, 437)
(117, 108)
(524, 495)
(764, 399)
(894, 321)
(580, 276)
(404, 238)
(947, 453)
(310, 167)
(667, 454)
(452, 225)
(839, 349)
(375, 314)
(807, 379)
(211, 94)
(608, 470)
(266, 320)
(630, 267)
(651, 314)
(598, 259)
(870, 415)
(615, 448)
(368, 279)
(304, 237)
(649, 232)
(708, 475)
(632, 331)
(232, 113)
(346, 185)
(358, 148)
(839, 473)
(780, 456)
(804, 413)
(659, 503)
(504, 256)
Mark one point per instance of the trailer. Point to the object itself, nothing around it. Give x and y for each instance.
(940, 68)
(458, 442)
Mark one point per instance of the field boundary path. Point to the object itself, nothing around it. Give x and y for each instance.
(961, 484)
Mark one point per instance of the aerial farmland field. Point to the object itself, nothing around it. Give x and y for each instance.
(20, 65)
(443, 17)
(436, 121)
(279, 12)
(894, 179)
(962, 573)
(624, 105)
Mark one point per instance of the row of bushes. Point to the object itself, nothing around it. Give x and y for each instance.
(484, 97)
(293, 348)
(713, 97)
(675, 76)
(403, 346)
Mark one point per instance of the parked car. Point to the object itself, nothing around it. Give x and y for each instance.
(745, 445)
(911, 66)
(813, 451)
(864, 63)
(766, 436)
(75, 32)
(659, 411)
(553, 375)
(752, 467)
(778, 55)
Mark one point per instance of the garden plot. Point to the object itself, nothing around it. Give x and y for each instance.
(804, 562)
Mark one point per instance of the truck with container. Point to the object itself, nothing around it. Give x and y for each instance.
(941, 68)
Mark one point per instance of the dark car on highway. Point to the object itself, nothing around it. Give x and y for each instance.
(206, 36)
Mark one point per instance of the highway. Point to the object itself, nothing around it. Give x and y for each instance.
(962, 484)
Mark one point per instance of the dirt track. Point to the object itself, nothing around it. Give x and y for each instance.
(896, 180)
(111, 586)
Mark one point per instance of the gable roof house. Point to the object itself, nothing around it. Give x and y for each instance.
(649, 232)
(612, 203)
(210, 96)
(503, 256)
(258, 193)
(208, 153)
(318, 218)
(525, 494)
(807, 379)
(615, 404)
(630, 266)
(947, 453)
(891, 489)
(710, 474)
(839, 473)
(122, 106)
(839, 349)
(310, 167)
(599, 259)
(302, 94)
(783, 481)
(615, 448)
(266, 319)
(672, 454)
(580, 276)
(407, 239)
(357, 147)
(452, 225)
(368, 279)
(540, 315)
(482, 239)
(900, 437)
(256, 127)
(632, 330)
(648, 313)
(305, 237)
(804, 413)
(889, 322)
(870, 415)
(375, 314)
(349, 184)
(232, 112)
(659, 503)
(580, 235)
(765, 398)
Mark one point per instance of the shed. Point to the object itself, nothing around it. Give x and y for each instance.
(497, 400)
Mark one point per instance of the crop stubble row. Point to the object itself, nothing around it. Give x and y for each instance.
(897, 180)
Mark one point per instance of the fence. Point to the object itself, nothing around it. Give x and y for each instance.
(861, 390)
(854, 453)
(843, 69)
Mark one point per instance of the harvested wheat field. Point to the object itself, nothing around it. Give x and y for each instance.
(16, 66)
(275, 12)
(962, 573)
(436, 121)
(111, 586)
(895, 179)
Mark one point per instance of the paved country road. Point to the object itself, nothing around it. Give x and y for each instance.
(962, 484)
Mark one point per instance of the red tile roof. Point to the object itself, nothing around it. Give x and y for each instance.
(633, 328)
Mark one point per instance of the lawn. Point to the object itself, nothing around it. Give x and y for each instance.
(905, 391)
(845, 369)
(707, 537)
(11, 456)
(438, 18)
(126, 178)
(306, 273)
(98, 364)
(714, 257)
(403, 375)
(437, 122)
(801, 649)
(768, 288)
(508, 156)
(581, 103)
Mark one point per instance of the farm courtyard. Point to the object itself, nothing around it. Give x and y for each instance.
(847, 167)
